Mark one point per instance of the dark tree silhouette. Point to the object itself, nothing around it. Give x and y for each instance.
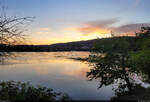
(117, 59)
(12, 30)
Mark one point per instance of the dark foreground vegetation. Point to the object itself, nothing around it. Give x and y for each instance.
(18, 91)
(120, 60)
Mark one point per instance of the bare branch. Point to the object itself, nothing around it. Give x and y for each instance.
(12, 28)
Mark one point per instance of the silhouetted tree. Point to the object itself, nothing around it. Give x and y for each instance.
(115, 60)
(11, 31)
(110, 61)
(12, 28)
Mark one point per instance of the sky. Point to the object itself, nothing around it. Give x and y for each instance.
(57, 21)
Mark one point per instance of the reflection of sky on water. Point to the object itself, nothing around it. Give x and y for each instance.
(59, 73)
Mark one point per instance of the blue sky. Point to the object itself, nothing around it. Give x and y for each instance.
(72, 20)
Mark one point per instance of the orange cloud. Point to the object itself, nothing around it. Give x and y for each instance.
(99, 27)
(103, 28)
(93, 30)
(42, 32)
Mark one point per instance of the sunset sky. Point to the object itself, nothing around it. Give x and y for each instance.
(73, 20)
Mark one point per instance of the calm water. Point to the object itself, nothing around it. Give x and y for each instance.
(55, 70)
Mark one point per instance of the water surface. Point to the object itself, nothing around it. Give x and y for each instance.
(55, 70)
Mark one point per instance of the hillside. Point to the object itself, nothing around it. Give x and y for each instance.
(70, 46)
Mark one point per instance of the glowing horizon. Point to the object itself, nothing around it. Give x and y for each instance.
(59, 21)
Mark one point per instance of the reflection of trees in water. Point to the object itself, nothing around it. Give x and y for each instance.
(3, 57)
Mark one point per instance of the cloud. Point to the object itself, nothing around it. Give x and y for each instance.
(103, 27)
(103, 23)
(43, 31)
(128, 28)
(99, 26)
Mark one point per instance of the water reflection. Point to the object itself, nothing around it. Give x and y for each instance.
(4, 56)
(54, 70)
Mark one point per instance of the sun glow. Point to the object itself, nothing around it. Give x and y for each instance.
(100, 32)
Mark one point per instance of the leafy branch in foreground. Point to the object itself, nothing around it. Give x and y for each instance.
(18, 91)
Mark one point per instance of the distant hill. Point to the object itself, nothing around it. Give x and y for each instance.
(70, 46)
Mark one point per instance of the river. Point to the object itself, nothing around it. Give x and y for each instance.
(56, 70)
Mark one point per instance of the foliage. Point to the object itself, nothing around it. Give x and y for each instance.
(113, 45)
(19, 91)
(138, 93)
(140, 59)
(113, 64)
(116, 59)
